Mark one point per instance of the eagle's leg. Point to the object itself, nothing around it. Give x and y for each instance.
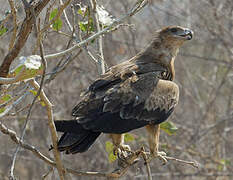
(153, 139)
(119, 146)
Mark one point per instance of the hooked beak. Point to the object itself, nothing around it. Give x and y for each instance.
(187, 34)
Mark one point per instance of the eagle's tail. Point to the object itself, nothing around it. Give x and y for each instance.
(75, 139)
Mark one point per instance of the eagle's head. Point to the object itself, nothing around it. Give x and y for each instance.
(175, 35)
(165, 45)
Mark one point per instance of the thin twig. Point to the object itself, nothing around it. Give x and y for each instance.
(10, 106)
(15, 79)
(51, 127)
(194, 164)
(27, 6)
(50, 112)
(24, 145)
(13, 99)
(100, 38)
(59, 13)
(37, 153)
(183, 175)
(115, 174)
(66, 17)
(22, 37)
(182, 161)
(138, 6)
(46, 174)
(60, 68)
(13, 12)
(147, 164)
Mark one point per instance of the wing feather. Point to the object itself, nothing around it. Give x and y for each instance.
(124, 104)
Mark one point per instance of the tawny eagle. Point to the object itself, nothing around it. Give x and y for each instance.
(133, 94)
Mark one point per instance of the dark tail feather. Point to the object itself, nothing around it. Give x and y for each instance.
(71, 126)
(75, 139)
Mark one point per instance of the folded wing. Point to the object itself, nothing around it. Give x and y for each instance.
(128, 104)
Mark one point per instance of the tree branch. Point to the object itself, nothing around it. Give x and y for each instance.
(138, 6)
(13, 11)
(51, 127)
(23, 35)
(100, 38)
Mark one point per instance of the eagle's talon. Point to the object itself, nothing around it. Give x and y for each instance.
(163, 158)
(122, 149)
(160, 154)
(123, 153)
(125, 148)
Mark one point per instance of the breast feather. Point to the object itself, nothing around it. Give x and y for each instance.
(164, 96)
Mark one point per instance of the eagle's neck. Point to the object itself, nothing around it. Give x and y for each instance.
(161, 53)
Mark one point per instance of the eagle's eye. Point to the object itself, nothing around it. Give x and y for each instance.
(174, 30)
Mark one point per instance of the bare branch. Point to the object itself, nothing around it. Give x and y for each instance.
(23, 35)
(100, 38)
(59, 13)
(13, 12)
(24, 145)
(51, 127)
(28, 6)
(182, 161)
(138, 6)
(15, 79)
(147, 164)
(66, 18)
(197, 174)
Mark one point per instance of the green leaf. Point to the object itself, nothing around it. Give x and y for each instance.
(82, 26)
(18, 69)
(223, 162)
(57, 25)
(53, 14)
(28, 67)
(80, 12)
(33, 92)
(220, 167)
(87, 25)
(109, 146)
(111, 157)
(2, 110)
(83, 11)
(6, 97)
(91, 24)
(3, 30)
(168, 127)
(128, 137)
(42, 103)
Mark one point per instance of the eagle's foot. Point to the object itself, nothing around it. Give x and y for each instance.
(127, 157)
(162, 156)
(123, 153)
(122, 150)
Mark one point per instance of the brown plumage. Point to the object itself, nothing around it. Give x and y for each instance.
(136, 93)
